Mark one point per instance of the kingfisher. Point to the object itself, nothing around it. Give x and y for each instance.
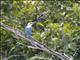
(28, 33)
(28, 30)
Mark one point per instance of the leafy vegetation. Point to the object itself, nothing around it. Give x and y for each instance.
(59, 29)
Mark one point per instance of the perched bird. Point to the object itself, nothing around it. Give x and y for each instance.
(28, 30)
(28, 33)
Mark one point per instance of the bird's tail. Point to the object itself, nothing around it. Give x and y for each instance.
(36, 43)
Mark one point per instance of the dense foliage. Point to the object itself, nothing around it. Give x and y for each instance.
(60, 30)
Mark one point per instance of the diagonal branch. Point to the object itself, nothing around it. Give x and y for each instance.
(40, 46)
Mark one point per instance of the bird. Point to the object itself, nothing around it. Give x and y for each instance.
(28, 30)
(28, 33)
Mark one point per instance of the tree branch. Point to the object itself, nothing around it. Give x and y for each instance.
(40, 46)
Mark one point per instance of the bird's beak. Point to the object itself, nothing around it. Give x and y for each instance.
(33, 23)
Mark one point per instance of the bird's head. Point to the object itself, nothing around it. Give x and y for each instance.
(30, 23)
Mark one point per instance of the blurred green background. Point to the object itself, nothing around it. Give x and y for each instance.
(60, 30)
